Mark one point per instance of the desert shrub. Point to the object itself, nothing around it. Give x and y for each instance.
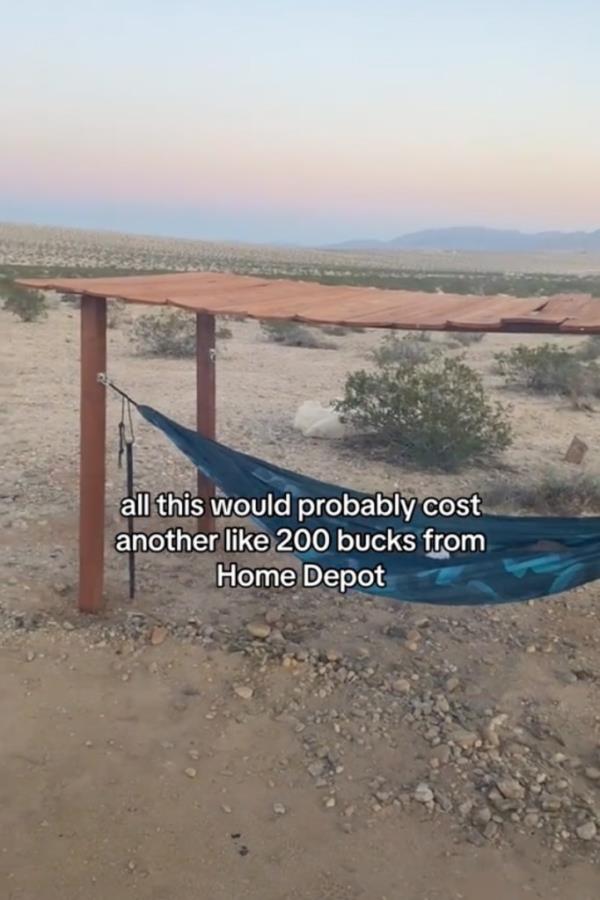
(466, 338)
(393, 349)
(589, 349)
(116, 314)
(548, 369)
(223, 333)
(291, 334)
(170, 333)
(551, 493)
(436, 414)
(334, 330)
(28, 305)
(73, 300)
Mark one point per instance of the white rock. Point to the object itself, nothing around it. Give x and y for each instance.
(587, 831)
(258, 630)
(244, 691)
(423, 793)
(315, 420)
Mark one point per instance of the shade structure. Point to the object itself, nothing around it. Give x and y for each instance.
(209, 294)
(221, 294)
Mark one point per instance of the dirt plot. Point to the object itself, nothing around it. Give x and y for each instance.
(289, 744)
(136, 771)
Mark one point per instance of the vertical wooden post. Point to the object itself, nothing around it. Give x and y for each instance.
(92, 454)
(205, 401)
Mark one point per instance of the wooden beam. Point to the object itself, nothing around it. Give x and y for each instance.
(205, 401)
(92, 454)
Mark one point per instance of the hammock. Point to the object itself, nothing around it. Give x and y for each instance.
(517, 565)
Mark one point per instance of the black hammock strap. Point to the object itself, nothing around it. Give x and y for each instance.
(126, 443)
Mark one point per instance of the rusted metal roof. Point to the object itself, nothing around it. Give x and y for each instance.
(259, 298)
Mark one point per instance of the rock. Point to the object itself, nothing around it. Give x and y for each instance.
(531, 820)
(158, 635)
(401, 686)
(465, 739)
(489, 730)
(194, 754)
(587, 831)
(481, 816)
(442, 705)
(592, 773)
(576, 451)
(501, 803)
(511, 788)
(317, 421)
(190, 772)
(491, 830)
(551, 803)
(279, 809)
(316, 769)
(423, 793)
(258, 630)
(329, 802)
(272, 616)
(441, 753)
(244, 691)
(452, 684)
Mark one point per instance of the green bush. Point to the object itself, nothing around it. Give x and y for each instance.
(552, 493)
(466, 338)
(436, 414)
(169, 333)
(223, 333)
(589, 349)
(291, 334)
(28, 305)
(73, 300)
(549, 369)
(117, 314)
(334, 330)
(393, 350)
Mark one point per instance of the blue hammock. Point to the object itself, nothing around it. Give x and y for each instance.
(514, 567)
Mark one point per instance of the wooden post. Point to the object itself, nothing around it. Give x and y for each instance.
(92, 454)
(205, 401)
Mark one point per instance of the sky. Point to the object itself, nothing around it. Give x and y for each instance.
(300, 122)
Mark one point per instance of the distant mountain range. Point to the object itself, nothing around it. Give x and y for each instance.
(481, 239)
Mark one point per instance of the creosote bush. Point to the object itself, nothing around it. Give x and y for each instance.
(116, 314)
(549, 369)
(409, 348)
(291, 334)
(334, 330)
(169, 333)
(435, 414)
(466, 338)
(28, 305)
(73, 300)
(589, 349)
(552, 493)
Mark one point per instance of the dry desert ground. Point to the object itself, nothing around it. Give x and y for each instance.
(282, 745)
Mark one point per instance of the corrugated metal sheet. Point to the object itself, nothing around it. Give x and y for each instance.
(259, 298)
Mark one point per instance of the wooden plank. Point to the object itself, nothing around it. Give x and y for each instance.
(92, 454)
(205, 402)
(218, 293)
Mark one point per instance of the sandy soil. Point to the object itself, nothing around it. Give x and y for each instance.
(355, 708)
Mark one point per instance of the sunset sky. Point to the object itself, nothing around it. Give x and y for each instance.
(307, 122)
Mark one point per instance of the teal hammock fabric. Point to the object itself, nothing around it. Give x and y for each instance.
(513, 567)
